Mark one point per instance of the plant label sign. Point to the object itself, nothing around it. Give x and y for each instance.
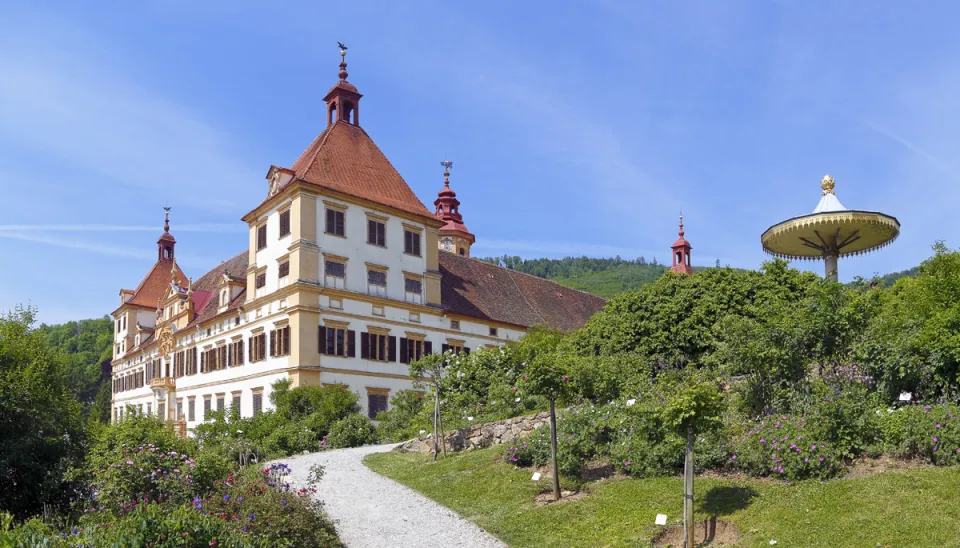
(661, 519)
(536, 476)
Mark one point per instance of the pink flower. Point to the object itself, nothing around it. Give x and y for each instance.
(566, 378)
(733, 457)
(814, 446)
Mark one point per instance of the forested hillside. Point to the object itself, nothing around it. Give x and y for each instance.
(603, 277)
(612, 276)
(82, 345)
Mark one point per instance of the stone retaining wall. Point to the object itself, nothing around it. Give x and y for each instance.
(481, 435)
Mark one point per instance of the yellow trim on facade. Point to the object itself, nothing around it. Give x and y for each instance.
(335, 205)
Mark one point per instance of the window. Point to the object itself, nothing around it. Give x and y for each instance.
(377, 283)
(284, 223)
(220, 402)
(284, 269)
(412, 350)
(191, 359)
(454, 324)
(149, 409)
(235, 353)
(337, 341)
(206, 408)
(258, 347)
(335, 273)
(280, 341)
(376, 403)
(261, 280)
(335, 224)
(257, 402)
(379, 347)
(411, 242)
(162, 411)
(191, 409)
(456, 348)
(179, 409)
(493, 331)
(376, 233)
(235, 406)
(261, 236)
(413, 290)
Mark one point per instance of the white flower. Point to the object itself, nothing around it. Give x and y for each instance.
(423, 432)
(772, 542)
(469, 418)
(239, 431)
(631, 402)
(517, 400)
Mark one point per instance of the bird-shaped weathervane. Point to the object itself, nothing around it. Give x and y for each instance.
(343, 48)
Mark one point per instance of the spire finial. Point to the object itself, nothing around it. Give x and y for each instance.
(343, 61)
(166, 219)
(447, 165)
(827, 184)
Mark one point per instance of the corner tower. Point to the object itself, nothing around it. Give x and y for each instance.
(681, 253)
(454, 236)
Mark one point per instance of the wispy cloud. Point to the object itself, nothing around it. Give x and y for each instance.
(66, 98)
(112, 250)
(208, 228)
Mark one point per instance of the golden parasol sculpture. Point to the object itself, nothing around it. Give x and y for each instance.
(830, 232)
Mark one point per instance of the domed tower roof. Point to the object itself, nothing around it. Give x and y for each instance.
(448, 206)
(681, 253)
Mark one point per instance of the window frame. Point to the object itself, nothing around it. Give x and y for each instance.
(412, 244)
(262, 236)
(335, 222)
(284, 222)
(376, 232)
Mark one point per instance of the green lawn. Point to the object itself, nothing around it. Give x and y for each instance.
(912, 508)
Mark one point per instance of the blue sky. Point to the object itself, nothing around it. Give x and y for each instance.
(574, 129)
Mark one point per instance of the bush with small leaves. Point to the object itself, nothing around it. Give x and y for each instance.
(352, 431)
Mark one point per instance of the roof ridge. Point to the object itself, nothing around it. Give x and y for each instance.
(548, 280)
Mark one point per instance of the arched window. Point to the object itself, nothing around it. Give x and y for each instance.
(679, 258)
(463, 251)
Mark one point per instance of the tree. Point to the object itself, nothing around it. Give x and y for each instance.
(429, 370)
(41, 425)
(693, 409)
(544, 372)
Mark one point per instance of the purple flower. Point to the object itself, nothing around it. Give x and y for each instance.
(226, 498)
(763, 440)
(626, 463)
(283, 502)
(934, 438)
(814, 446)
(733, 457)
(938, 425)
(821, 458)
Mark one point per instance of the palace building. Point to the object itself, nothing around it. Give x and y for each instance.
(348, 278)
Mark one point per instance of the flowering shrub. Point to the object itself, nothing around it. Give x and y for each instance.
(266, 505)
(351, 431)
(142, 474)
(927, 431)
(785, 446)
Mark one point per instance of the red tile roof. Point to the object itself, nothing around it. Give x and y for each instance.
(155, 283)
(344, 158)
(483, 290)
(208, 284)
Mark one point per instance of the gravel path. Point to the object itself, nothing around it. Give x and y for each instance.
(372, 510)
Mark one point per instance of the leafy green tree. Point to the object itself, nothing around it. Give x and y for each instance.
(82, 345)
(694, 409)
(912, 345)
(429, 371)
(545, 372)
(41, 425)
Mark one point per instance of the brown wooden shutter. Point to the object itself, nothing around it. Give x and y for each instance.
(286, 341)
(330, 221)
(371, 232)
(253, 342)
(404, 356)
(322, 340)
(427, 348)
(365, 345)
(351, 344)
(466, 350)
(444, 348)
(392, 349)
(338, 215)
(273, 342)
